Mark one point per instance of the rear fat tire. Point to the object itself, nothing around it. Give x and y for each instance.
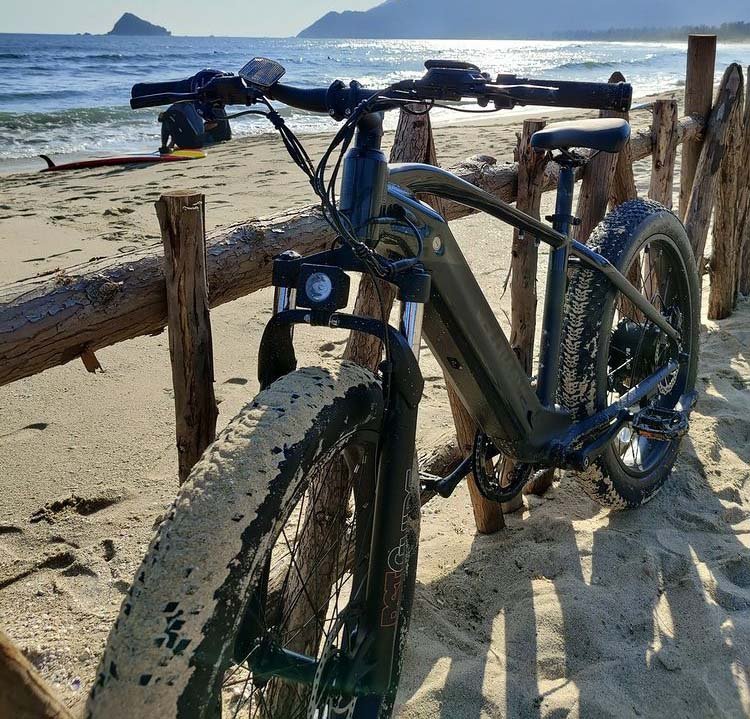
(589, 308)
(168, 649)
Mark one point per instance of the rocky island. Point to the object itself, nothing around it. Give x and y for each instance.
(130, 24)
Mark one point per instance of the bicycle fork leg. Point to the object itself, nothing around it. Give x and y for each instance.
(394, 545)
(393, 550)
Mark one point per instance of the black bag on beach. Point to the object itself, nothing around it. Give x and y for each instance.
(189, 125)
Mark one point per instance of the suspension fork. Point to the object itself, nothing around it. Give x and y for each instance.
(395, 520)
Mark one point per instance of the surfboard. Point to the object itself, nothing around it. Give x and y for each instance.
(174, 156)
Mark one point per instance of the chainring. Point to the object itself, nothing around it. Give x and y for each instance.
(489, 484)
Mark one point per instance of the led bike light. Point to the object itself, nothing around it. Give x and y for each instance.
(322, 287)
(318, 287)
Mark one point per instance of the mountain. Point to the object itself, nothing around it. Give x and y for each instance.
(130, 24)
(487, 19)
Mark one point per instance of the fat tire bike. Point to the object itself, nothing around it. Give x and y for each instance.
(281, 583)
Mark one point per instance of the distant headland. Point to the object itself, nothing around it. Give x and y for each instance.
(490, 19)
(130, 24)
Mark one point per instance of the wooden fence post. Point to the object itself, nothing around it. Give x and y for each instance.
(595, 192)
(623, 182)
(523, 263)
(598, 184)
(413, 143)
(23, 692)
(699, 93)
(726, 249)
(664, 129)
(523, 294)
(181, 218)
(743, 227)
(702, 196)
(488, 516)
(410, 144)
(661, 187)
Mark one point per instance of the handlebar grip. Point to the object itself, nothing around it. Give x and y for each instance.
(164, 98)
(310, 99)
(570, 93)
(158, 88)
(595, 95)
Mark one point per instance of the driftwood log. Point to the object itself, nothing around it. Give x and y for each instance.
(726, 250)
(699, 93)
(703, 194)
(23, 692)
(743, 230)
(54, 318)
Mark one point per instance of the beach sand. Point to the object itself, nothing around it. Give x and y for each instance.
(571, 611)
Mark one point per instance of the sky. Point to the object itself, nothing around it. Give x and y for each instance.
(247, 18)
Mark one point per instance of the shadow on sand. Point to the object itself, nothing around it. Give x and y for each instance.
(574, 611)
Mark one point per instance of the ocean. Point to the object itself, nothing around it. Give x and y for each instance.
(68, 95)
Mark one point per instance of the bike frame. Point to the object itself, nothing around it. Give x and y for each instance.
(463, 334)
(459, 325)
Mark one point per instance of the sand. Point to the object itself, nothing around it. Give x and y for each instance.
(572, 611)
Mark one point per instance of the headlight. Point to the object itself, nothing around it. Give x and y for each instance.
(318, 287)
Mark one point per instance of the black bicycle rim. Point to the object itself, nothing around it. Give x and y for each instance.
(635, 347)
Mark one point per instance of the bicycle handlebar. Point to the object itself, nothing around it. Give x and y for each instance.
(450, 81)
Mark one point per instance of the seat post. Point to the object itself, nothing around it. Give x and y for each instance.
(561, 220)
(554, 296)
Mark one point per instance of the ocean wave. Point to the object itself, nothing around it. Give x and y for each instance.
(35, 121)
(13, 55)
(38, 95)
(604, 64)
(102, 56)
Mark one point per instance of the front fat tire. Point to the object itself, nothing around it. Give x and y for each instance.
(177, 625)
(589, 300)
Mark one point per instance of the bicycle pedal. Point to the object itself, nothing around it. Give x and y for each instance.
(661, 424)
(428, 481)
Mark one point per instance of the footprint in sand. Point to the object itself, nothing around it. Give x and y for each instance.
(24, 433)
(83, 506)
(116, 211)
(108, 547)
(236, 380)
(728, 583)
(19, 570)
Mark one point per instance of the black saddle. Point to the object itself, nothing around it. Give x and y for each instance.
(607, 135)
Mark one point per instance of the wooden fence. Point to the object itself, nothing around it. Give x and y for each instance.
(51, 319)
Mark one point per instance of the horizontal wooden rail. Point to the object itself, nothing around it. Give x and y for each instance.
(51, 319)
